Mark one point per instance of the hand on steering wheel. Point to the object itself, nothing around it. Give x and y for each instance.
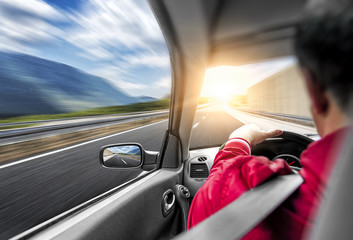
(254, 134)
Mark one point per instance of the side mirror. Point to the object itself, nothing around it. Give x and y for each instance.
(127, 156)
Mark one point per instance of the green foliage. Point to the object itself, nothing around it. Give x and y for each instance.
(136, 107)
(16, 126)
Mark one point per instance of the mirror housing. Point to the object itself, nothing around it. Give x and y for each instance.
(127, 156)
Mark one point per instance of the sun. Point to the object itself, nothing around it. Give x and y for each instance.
(223, 83)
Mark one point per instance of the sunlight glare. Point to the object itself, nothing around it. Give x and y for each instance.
(223, 82)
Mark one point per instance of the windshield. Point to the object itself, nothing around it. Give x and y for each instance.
(270, 94)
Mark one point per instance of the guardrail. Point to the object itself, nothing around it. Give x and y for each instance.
(76, 118)
(286, 117)
(39, 129)
(104, 119)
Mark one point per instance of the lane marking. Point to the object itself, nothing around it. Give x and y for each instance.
(196, 125)
(123, 161)
(75, 146)
(231, 113)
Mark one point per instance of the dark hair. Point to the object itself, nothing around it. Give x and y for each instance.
(324, 46)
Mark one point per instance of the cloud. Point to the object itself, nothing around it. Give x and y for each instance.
(115, 74)
(25, 22)
(97, 53)
(130, 86)
(101, 29)
(111, 72)
(114, 24)
(34, 8)
(164, 82)
(34, 30)
(151, 60)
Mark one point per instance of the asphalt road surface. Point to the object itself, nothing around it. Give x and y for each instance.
(212, 126)
(121, 161)
(36, 190)
(47, 185)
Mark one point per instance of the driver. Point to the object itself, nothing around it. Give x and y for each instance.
(324, 48)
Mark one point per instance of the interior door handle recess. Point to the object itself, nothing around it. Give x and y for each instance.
(168, 202)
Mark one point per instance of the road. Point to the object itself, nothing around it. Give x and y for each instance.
(121, 161)
(213, 125)
(36, 190)
(44, 186)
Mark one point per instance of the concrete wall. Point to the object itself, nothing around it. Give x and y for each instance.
(282, 92)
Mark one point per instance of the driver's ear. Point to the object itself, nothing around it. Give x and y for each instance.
(316, 92)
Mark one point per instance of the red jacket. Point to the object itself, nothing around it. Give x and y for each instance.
(234, 172)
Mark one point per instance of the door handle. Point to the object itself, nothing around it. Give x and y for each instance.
(168, 201)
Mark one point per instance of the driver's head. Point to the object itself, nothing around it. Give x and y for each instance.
(324, 47)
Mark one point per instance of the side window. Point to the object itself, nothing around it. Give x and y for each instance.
(74, 76)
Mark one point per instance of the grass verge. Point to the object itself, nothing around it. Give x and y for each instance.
(16, 126)
(136, 107)
(30, 148)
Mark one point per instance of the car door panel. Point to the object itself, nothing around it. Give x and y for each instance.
(132, 213)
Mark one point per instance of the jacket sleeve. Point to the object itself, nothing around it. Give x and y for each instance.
(233, 172)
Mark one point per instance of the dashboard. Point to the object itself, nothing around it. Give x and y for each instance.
(197, 167)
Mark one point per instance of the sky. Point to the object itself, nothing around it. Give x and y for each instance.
(119, 40)
(124, 149)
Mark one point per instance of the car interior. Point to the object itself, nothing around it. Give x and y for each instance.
(199, 34)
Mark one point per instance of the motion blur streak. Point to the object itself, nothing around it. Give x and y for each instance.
(116, 39)
(71, 147)
(51, 184)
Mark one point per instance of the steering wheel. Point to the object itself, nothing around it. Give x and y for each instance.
(292, 136)
(288, 146)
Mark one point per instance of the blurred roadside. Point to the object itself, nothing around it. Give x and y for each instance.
(112, 110)
(30, 148)
(25, 136)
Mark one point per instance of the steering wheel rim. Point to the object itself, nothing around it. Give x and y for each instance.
(295, 137)
(294, 145)
(292, 136)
